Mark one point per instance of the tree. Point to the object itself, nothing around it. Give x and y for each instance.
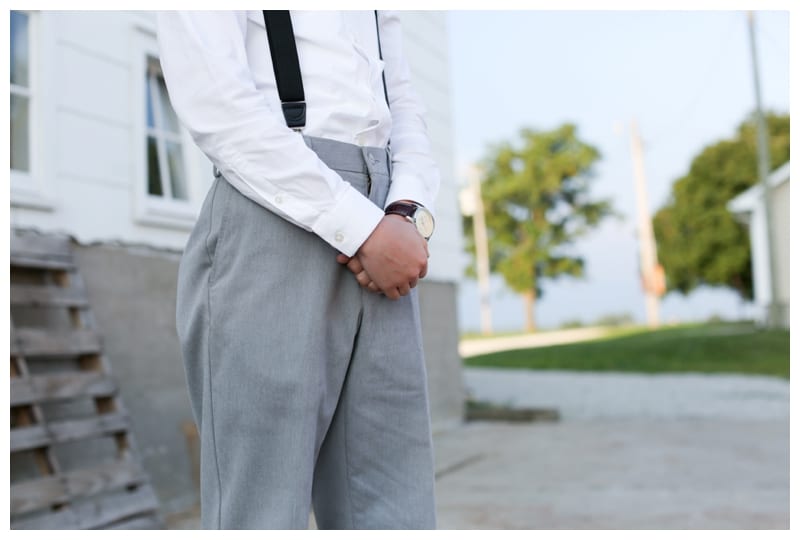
(536, 201)
(698, 240)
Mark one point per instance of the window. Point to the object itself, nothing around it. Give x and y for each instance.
(166, 177)
(31, 51)
(167, 166)
(20, 92)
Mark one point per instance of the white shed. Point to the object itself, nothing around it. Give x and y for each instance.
(748, 207)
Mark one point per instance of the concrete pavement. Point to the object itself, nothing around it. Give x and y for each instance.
(666, 451)
(608, 395)
(631, 452)
(615, 474)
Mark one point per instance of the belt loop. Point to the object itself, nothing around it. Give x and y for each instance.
(369, 160)
(389, 161)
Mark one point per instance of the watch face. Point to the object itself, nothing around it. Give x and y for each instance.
(424, 221)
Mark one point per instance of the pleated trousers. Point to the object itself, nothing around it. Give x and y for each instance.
(307, 390)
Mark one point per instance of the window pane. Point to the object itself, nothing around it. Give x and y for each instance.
(153, 173)
(167, 113)
(176, 175)
(149, 98)
(19, 48)
(19, 133)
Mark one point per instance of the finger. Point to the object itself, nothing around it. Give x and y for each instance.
(373, 287)
(392, 294)
(341, 258)
(355, 265)
(424, 271)
(413, 283)
(404, 290)
(363, 279)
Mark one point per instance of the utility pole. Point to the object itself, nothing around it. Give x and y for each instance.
(652, 277)
(481, 250)
(773, 308)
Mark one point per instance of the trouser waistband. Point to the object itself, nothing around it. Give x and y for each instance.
(341, 156)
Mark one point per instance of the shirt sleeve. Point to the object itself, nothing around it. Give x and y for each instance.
(204, 61)
(415, 175)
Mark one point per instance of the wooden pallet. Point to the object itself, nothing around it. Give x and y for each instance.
(74, 464)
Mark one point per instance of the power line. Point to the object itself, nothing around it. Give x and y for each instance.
(682, 114)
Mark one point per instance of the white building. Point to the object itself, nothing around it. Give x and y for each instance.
(97, 154)
(748, 207)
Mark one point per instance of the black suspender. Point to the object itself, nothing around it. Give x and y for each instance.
(380, 55)
(283, 49)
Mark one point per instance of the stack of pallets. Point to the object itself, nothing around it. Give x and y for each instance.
(74, 463)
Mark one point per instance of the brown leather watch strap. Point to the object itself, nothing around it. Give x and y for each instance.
(402, 208)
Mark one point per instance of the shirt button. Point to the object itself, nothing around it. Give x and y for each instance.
(339, 237)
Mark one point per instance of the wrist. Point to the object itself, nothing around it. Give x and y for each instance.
(415, 213)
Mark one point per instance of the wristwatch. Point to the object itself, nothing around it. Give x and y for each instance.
(416, 214)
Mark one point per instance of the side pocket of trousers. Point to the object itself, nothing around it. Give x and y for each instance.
(192, 309)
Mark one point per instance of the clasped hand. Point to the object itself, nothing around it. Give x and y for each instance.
(391, 260)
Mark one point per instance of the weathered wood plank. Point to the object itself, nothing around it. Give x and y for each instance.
(137, 523)
(24, 260)
(94, 514)
(105, 477)
(27, 438)
(37, 494)
(38, 388)
(38, 342)
(104, 424)
(35, 244)
(14, 345)
(42, 493)
(44, 296)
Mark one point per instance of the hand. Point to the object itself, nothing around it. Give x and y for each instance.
(392, 259)
(354, 265)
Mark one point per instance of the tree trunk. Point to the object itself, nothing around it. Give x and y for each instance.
(530, 313)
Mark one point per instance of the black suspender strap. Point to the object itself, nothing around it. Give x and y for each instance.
(380, 55)
(283, 49)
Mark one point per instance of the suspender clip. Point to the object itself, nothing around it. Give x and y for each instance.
(295, 114)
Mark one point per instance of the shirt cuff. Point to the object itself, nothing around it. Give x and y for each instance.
(409, 187)
(349, 223)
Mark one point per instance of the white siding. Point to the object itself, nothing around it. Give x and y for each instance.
(425, 44)
(91, 135)
(780, 215)
(749, 207)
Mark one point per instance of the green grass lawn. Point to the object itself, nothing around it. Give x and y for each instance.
(707, 348)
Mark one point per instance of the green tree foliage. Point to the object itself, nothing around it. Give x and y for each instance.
(698, 240)
(536, 200)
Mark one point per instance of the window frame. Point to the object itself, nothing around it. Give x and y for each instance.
(153, 209)
(29, 189)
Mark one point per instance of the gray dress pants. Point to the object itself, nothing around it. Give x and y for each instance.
(305, 387)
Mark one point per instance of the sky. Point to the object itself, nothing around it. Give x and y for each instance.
(684, 76)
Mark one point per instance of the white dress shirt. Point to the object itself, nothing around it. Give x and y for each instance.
(221, 83)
